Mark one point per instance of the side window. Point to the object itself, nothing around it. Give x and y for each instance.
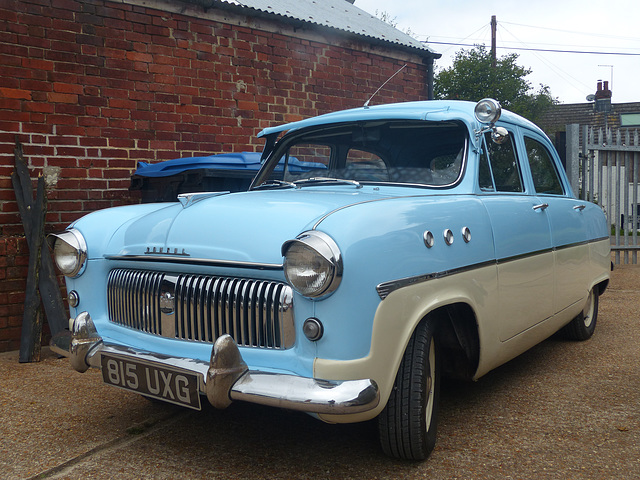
(543, 171)
(504, 167)
(485, 179)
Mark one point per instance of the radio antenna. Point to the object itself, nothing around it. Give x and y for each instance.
(366, 104)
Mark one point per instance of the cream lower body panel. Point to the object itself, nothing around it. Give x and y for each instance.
(399, 314)
(579, 269)
(396, 318)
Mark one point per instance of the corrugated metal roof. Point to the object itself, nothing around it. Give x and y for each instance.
(338, 14)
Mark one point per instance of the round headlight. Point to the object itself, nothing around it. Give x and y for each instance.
(487, 110)
(69, 252)
(312, 264)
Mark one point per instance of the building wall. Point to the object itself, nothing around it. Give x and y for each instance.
(90, 87)
(559, 116)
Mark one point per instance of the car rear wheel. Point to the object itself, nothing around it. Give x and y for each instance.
(407, 425)
(582, 327)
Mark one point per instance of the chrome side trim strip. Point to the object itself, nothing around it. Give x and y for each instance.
(386, 288)
(577, 244)
(502, 261)
(194, 261)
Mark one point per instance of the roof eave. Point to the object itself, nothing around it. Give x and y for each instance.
(426, 53)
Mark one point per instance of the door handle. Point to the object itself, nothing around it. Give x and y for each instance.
(579, 207)
(542, 206)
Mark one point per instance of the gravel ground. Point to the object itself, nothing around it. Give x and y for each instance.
(567, 410)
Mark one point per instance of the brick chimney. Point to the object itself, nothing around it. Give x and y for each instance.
(603, 97)
(603, 90)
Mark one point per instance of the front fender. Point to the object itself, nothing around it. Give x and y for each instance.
(395, 320)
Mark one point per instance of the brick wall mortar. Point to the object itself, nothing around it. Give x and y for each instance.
(91, 87)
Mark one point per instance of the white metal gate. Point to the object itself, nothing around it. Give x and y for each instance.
(602, 165)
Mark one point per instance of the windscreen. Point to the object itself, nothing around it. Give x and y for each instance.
(416, 153)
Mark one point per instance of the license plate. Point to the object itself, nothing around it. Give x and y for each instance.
(153, 380)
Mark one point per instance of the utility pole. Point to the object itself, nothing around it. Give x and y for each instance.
(494, 27)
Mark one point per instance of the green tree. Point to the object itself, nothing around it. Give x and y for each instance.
(471, 77)
(386, 18)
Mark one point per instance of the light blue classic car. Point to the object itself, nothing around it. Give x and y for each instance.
(422, 240)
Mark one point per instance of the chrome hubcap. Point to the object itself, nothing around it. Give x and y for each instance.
(587, 312)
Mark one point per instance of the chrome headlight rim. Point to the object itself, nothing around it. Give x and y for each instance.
(74, 239)
(327, 251)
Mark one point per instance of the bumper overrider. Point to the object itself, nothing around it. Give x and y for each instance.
(225, 378)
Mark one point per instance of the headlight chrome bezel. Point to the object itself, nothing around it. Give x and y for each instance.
(324, 250)
(75, 242)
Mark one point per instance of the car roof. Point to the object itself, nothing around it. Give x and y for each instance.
(434, 110)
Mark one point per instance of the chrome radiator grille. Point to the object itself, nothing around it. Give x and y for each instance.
(256, 313)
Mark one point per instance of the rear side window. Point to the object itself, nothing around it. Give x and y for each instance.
(543, 171)
(499, 169)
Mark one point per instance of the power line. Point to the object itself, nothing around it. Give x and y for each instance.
(540, 49)
(483, 27)
(516, 41)
(590, 34)
(554, 68)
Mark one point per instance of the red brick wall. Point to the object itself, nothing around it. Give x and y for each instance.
(90, 87)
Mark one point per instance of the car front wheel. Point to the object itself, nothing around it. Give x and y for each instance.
(582, 327)
(408, 423)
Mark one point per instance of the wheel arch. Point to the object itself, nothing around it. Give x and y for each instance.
(601, 286)
(458, 338)
(457, 334)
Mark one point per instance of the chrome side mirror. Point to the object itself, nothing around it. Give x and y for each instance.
(499, 135)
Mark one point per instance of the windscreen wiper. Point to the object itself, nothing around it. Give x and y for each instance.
(275, 184)
(317, 180)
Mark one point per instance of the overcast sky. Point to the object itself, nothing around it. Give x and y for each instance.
(611, 26)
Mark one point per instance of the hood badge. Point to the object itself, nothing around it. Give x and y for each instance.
(167, 297)
(166, 251)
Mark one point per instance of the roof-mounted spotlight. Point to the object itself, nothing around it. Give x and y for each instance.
(487, 112)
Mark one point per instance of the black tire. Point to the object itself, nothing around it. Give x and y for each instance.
(582, 327)
(408, 424)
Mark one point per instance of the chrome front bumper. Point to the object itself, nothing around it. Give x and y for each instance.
(226, 377)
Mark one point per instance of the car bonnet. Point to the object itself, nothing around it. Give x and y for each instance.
(240, 227)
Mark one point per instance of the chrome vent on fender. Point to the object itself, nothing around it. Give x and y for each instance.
(256, 313)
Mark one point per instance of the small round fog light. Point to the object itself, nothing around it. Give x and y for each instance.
(313, 329)
(73, 299)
